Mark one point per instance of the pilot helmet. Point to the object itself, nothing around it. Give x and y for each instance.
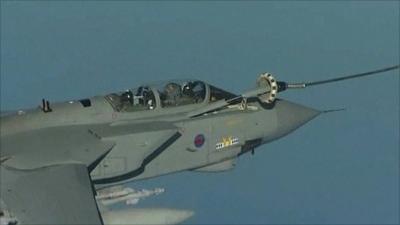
(127, 96)
(172, 88)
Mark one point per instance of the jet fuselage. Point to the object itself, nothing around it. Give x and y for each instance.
(163, 140)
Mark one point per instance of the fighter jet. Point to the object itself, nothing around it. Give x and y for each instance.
(57, 159)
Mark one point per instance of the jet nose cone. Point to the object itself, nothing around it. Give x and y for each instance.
(291, 116)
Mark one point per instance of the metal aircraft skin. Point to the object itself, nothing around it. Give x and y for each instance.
(60, 154)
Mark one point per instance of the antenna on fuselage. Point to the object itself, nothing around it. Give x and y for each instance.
(46, 106)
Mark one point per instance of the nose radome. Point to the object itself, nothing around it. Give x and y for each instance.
(291, 116)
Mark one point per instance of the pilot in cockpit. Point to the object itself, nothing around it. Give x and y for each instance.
(144, 97)
(190, 92)
(127, 98)
(172, 92)
(193, 91)
(187, 89)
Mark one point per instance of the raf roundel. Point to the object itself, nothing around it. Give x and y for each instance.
(199, 141)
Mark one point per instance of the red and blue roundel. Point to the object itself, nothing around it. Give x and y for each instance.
(199, 140)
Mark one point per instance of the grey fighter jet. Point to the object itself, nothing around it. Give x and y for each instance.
(56, 158)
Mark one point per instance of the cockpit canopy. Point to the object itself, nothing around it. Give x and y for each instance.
(131, 100)
(166, 94)
(179, 93)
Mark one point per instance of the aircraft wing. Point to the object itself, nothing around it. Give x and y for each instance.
(54, 146)
(60, 194)
(45, 175)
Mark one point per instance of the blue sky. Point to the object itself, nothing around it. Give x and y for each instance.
(339, 168)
